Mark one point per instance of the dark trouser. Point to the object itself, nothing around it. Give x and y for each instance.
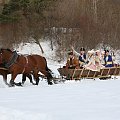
(109, 65)
(72, 67)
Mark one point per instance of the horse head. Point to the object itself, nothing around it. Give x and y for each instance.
(5, 55)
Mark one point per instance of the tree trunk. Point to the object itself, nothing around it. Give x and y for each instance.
(37, 42)
(51, 44)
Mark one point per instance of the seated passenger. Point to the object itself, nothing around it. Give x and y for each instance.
(108, 59)
(72, 61)
(102, 57)
(94, 61)
(91, 64)
(81, 56)
(98, 61)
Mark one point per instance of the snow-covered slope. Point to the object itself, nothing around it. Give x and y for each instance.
(85, 100)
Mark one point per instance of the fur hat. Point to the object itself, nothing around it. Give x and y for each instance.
(82, 49)
(106, 51)
(70, 53)
(97, 51)
(91, 52)
(103, 52)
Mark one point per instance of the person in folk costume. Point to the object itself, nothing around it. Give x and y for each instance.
(108, 59)
(81, 56)
(114, 57)
(72, 61)
(102, 57)
(94, 61)
(98, 62)
(91, 64)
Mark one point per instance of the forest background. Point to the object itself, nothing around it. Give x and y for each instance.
(80, 23)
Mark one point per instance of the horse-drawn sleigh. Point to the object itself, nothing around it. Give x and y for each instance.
(104, 73)
(15, 64)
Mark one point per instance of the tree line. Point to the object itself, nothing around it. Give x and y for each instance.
(78, 23)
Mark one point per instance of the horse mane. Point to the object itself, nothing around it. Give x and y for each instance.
(6, 49)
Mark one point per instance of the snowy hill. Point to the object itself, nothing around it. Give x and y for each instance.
(85, 100)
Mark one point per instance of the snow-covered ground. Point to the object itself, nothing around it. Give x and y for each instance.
(85, 100)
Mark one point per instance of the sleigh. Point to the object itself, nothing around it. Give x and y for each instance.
(77, 74)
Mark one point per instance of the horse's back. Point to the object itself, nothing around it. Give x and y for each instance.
(37, 60)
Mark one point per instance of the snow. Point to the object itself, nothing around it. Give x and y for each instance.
(73, 100)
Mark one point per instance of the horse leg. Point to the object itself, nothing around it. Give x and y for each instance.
(36, 76)
(12, 83)
(30, 78)
(49, 77)
(24, 78)
(48, 74)
(5, 78)
(37, 80)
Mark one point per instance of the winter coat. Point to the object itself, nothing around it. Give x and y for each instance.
(72, 63)
(108, 61)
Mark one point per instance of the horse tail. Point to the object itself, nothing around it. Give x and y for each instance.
(49, 71)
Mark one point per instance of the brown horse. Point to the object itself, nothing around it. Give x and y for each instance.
(20, 64)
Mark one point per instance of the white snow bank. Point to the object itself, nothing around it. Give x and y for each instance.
(10, 114)
(33, 48)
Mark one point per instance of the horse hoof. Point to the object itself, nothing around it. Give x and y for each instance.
(50, 83)
(22, 83)
(33, 83)
(11, 83)
(36, 84)
(18, 84)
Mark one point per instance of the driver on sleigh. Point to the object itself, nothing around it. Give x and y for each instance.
(72, 61)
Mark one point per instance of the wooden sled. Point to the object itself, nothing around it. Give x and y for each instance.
(105, 73)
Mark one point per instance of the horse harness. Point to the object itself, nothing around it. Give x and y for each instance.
(12, 60)
(25, 64)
